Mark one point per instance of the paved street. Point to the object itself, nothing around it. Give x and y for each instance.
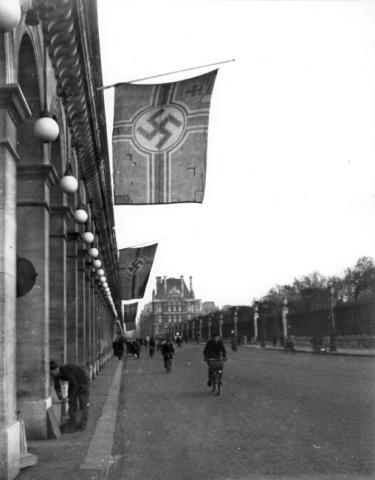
(282, 415)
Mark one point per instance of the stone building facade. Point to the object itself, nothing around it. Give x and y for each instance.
(173, 305)
(59, 296)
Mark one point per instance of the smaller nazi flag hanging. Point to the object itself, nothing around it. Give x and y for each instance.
(130, 314)
(134, 268)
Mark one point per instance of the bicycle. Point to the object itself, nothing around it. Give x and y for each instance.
(216, 374)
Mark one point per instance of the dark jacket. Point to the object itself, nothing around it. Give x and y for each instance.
(167, 349)
(214, 349)
(76, 376)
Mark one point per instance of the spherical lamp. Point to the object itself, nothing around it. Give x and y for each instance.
(100, 272)
(93, 252)
(46, 128)
(10, 14)
(103, 279)
(80, 215)
(88, 237)
(97, 263)
(69, 183)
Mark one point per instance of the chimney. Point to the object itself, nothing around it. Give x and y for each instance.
(182, 285)
(153, 294)
(191, 286)
(158, 284)
(165, 283)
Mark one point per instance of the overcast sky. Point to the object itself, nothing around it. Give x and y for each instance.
(290, 185)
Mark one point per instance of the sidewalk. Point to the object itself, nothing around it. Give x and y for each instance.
(82, 455)
(358, 352)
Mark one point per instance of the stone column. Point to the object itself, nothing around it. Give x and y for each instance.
(72, 299)
(87, 314)
(58, 284)
(13, 110)
(82, 305)
(91, 323)
(33, 353)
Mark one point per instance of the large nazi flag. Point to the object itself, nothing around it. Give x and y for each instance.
(134, 268)
(160, 141)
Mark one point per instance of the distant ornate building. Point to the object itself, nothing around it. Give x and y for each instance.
(174, 305)
(146, 321)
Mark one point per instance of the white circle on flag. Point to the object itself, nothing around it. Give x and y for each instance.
(158, 129)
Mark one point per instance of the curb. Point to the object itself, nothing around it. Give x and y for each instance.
(334, 354)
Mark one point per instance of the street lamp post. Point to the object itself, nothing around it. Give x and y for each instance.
(332, 333)
(255, 318)
(209, 326)
(284, 316)
(235, 320)
(221, 325)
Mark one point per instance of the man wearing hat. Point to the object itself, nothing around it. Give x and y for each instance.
(78, 392)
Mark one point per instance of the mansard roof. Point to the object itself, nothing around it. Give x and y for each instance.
(173, 290)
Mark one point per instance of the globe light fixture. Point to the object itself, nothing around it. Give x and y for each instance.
(10, 14)
(88, 237)
(93, 252)
(69, 183)
(97, 263)
(100, 272)
(103, 279)
(80, 215)
(46, 128)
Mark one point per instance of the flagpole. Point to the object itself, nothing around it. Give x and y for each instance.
(164, 74)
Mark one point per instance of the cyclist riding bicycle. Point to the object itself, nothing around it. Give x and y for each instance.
(167, 350)
(214, 349)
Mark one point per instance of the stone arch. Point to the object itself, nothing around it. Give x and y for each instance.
(30, 149)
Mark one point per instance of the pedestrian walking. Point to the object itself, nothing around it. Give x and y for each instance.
(78, 393)
(118, 347)
(151, 347)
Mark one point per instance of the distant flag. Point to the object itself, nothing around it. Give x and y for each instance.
(130, 315)
(160, 141)
(134, 267)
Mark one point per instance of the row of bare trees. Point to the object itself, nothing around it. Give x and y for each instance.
(310, 292)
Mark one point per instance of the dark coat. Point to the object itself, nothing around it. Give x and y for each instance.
(214, 349)
(78, 379)
(167, 349)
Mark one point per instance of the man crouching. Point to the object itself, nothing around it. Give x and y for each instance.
(78, 393)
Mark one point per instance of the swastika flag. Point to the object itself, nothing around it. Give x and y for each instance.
(160, 141)
(130, 314)
(134, 268)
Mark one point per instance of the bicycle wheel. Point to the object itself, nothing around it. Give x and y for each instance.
(219, 384)
(214, 382)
